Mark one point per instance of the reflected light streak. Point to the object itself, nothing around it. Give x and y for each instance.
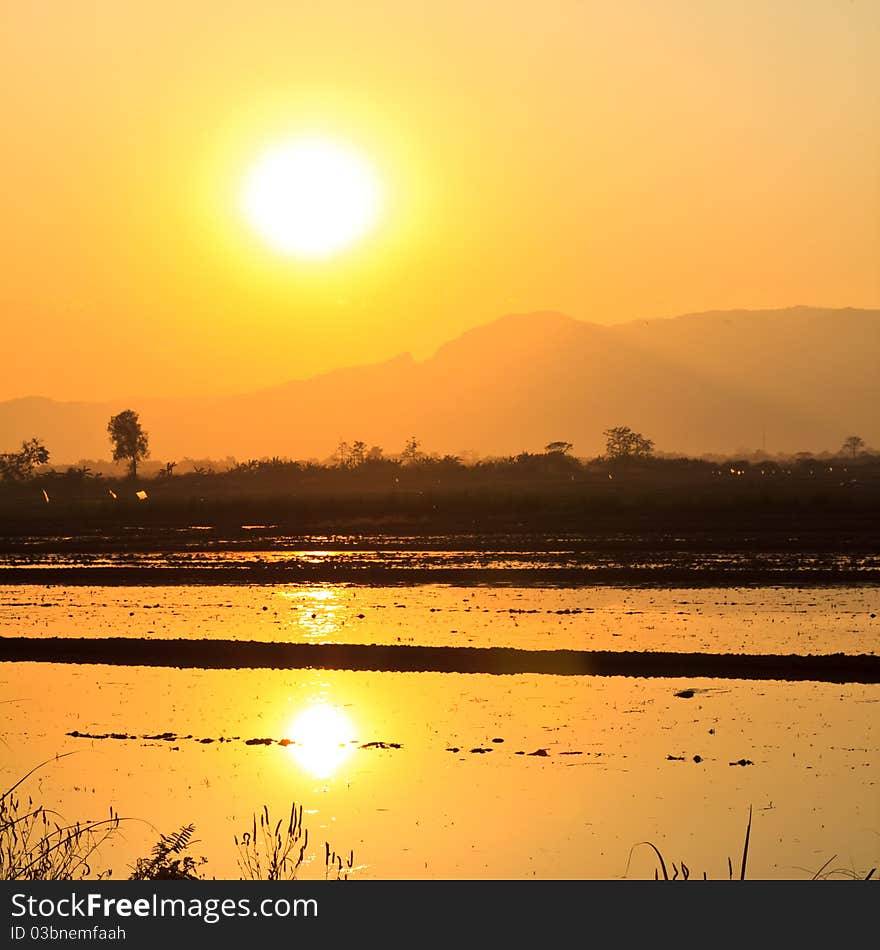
(319, 611)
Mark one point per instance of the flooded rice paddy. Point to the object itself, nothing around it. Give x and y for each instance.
(737, 620)
(452, 775)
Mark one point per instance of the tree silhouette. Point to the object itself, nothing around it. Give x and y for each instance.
(561, 447)
(342, 455)
(411, 451)
(358, 453)
(350, 456)
(621, 442)
(17, 466)
(852, 445)
(129, 439)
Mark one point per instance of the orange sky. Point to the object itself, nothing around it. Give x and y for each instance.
(610, 160)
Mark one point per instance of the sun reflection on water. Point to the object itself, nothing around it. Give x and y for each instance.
(323, 738)
(318, 611)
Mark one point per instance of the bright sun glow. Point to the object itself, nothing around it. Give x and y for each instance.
(311, 197)
(323, 738)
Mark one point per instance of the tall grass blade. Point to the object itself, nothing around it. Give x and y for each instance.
(742, 871)
(815, 877)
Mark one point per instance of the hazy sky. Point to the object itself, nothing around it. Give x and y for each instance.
(609, 159)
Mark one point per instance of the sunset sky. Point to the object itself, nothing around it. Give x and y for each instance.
(611, 160)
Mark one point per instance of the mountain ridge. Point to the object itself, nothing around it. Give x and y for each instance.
(714, 381)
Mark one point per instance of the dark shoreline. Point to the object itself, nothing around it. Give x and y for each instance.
(456, 577)
(231, 654)
(631, 509)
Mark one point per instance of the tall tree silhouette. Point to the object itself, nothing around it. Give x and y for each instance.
(129, 440)
(852, 445)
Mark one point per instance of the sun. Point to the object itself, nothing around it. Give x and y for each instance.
(311, 197)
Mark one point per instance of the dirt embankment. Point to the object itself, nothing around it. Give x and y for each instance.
(230, 654)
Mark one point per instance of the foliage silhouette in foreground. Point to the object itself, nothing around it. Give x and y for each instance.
(168, 861)
(37, 844)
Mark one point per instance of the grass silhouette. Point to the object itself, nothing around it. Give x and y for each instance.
(682, 872)
(37, 845)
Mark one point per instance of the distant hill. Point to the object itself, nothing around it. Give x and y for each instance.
(802, 378)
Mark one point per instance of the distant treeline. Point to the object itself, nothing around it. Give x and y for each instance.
(541, 491)
(382, 472)
(360, 485)
(625, 450)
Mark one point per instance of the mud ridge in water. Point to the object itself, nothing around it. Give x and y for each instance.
(208, 740)
(170, 737)
(232, 654)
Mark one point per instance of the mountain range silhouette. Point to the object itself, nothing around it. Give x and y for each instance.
(797, 379)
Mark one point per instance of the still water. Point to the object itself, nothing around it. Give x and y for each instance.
(442, 775)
